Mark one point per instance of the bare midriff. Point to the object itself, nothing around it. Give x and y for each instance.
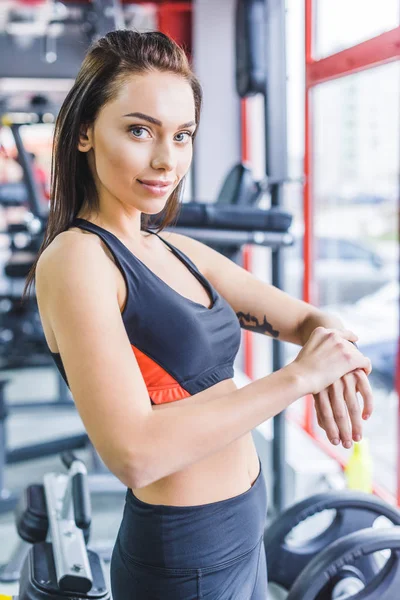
(219, 476)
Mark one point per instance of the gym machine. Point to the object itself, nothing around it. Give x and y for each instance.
(53, 519)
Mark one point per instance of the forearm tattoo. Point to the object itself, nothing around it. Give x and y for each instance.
(247, 321)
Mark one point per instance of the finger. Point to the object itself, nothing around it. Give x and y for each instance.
(340, 414)
(364, 387)
(353, 337)
(326, 419)
(347, 334)
(366, 369)
(363, 362)
(367, 366)
(317, 411)
(353, 407)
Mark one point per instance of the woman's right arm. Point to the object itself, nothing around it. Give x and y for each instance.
(189, 433)
(184, 434)
(76, 289)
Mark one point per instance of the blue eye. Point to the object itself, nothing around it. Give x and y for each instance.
(188, 133)
(140, 128)
(136, 128)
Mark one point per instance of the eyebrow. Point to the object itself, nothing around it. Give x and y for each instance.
(156, 121)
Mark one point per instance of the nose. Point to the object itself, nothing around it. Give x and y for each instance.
(164, 157)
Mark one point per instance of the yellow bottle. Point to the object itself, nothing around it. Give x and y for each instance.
(358, 471)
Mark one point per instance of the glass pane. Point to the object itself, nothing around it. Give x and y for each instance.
(345, 23)
(356, 160)
(295, 69)
(293, 191)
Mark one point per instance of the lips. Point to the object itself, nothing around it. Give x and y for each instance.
(155, 187)
(155, 182)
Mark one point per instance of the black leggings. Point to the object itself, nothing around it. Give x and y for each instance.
(212, 551)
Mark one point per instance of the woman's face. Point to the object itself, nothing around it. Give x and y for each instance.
(143, 135)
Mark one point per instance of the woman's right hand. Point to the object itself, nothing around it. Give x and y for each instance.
(327, 355)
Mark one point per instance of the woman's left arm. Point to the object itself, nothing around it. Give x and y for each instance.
(259, 306)
(264, 308)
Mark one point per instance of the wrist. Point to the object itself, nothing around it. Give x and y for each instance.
(318, 318)
(297, 378)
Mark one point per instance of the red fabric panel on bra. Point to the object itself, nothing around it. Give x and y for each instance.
(162, 387)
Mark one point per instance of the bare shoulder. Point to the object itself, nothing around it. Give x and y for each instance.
(68, 246)
(69, 256)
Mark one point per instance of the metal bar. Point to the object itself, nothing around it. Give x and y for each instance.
(34, 451)
(26, 163)
(276, 168)
(233, 237)
(71, 560)
(377, 51)
(15, 407)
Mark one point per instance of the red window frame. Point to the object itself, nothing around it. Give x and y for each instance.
(374, 52)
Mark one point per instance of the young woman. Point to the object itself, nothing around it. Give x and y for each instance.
(145, 329)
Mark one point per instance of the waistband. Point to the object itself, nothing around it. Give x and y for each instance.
(209, 378)
(198, 536)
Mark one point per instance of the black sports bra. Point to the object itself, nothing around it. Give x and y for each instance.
(182, 347)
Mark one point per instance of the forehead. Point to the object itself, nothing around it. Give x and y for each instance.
(165, 96)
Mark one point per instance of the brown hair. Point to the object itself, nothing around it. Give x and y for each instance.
(107, 63)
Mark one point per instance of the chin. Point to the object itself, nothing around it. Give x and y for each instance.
(151, 211)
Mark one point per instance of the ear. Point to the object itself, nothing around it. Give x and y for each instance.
(85, 138)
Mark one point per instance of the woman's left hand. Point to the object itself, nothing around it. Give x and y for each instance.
(338, 410)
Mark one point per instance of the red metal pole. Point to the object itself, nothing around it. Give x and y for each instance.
(307, 199)
(397, 387)
(247, 252)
